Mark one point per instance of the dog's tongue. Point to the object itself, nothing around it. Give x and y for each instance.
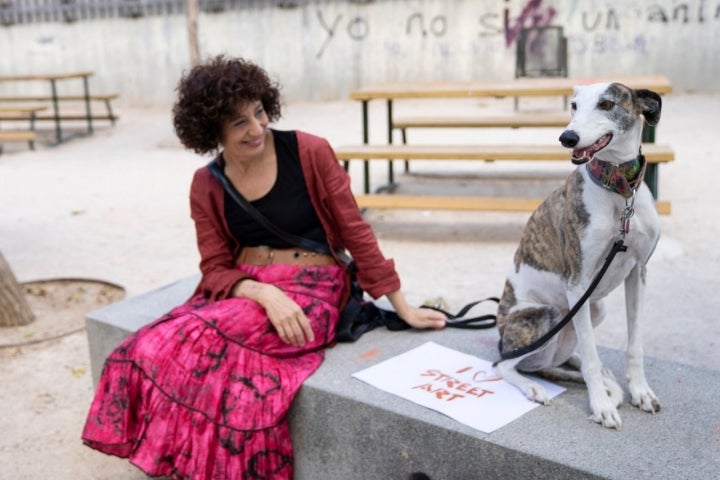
(582, 155)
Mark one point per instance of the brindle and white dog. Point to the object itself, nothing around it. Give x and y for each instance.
(565, 243)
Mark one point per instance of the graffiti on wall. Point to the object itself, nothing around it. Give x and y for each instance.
(603, 23)
(532, 16)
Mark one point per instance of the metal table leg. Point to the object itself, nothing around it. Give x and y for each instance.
(391, 175)
(652, 174)
(366, 138)
(88, 111)
(56, 110)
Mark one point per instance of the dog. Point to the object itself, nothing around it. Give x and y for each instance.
(565, 243)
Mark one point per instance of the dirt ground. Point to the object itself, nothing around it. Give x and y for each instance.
(44, 364)
(59, 306)
(112, 207)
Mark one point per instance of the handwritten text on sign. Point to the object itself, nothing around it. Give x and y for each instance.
(461, 386)
(448, 388)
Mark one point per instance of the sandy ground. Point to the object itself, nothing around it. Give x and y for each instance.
(113, 206)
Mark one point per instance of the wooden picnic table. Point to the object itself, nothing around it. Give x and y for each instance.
(53, 79)
(517, 87)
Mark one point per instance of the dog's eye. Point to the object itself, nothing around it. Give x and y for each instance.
(606, 105)
(573, 106)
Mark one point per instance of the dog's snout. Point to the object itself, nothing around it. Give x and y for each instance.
(569, 138)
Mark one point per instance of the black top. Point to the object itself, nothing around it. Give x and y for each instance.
(287, 205)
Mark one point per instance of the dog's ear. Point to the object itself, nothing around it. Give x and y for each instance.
(650, 104)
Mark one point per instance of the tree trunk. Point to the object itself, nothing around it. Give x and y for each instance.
(192, 24)
(14, 309)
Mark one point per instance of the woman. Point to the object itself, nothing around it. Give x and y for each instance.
(203, 392)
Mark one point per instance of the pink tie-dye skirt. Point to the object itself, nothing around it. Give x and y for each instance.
(203, 392)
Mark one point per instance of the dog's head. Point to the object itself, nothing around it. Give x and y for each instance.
(608, 117)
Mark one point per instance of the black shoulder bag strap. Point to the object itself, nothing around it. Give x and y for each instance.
(391, 318)
(302, 242)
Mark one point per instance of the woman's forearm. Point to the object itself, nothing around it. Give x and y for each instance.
(399, 303)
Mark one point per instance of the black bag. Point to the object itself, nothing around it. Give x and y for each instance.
(361, 315)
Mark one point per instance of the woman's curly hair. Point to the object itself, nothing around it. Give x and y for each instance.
(210, 94)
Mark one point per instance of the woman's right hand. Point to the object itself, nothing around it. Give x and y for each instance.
(287, 317)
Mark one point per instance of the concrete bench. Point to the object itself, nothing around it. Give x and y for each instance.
(655, 154)
(344, 428)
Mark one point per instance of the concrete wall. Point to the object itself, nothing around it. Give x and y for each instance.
(322, 49)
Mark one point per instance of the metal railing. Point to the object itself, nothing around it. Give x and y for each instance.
(17, 12)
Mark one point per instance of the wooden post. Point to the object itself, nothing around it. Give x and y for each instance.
(14, 309)
(192, 20)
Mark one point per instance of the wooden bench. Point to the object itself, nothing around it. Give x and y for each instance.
(69, 117)
(514, 121)
(46, 98)
(654, 153)
(21, 113)
(24, 109)
(19, 136)
(518, 120)
(105, 98)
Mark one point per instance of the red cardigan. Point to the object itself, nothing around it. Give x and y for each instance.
(328, 185)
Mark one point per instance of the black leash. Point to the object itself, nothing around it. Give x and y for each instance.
(618, 246)
(460, 320)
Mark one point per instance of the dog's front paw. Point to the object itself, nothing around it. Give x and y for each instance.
(612, 387)
(642, 396)
(536, 393)
(605, 413)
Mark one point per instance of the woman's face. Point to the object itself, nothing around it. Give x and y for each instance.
(243, 135)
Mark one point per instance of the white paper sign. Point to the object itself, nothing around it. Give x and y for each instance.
(463, 387)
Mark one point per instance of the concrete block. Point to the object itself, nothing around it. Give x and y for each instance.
(108, 326)
(344, 428)
(351, 430)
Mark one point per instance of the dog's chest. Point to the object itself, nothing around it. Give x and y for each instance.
(642, 230)
(610, 215)
(567, 239)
